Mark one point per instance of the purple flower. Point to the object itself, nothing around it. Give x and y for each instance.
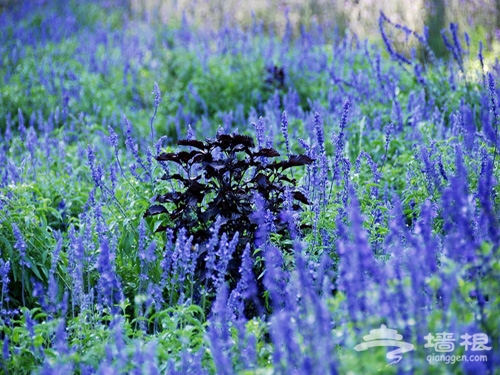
(166, 262)
(388, 132)
(156, 92)
(275, 279)
(6, 349)
(480, 55)
(388, 43)
(210, 258)
(181, 263)
(494, 106)
(224, 254)
(304, 144)
(339, 150)
(488, 220)
(30, 325)
(374, 168)
(263, 218)
(96, 170)
(418, 69)
(219, 335)
(134, 149)
(31, 142)
(76, 258)
(248, 286)
(259, 130)
(159, 144)
(113, 176)
(284, 131)
(22, 128)
(129, 141)
(318, 126)
(53, 287)
(4, 278)
(190, 133)
(456, 42)
(100, 223)
(20, 246)
(8, 128)
(113, 139)
(396, 112)
(467, 40)
(109, 286)
(61, 339)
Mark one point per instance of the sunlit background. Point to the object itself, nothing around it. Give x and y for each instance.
(479, 17)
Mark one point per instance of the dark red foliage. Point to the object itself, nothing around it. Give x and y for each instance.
(221, 177)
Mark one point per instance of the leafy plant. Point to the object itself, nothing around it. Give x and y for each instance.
(225, 177)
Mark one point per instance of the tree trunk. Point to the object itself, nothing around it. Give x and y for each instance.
(436, 21)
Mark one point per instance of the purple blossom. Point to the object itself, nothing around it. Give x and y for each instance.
(20, 246)
(219, 335)
(259, 130)
(318, 127)
(4, 277)
(494, 107)
(210, 249)
(304, 144)
(134, 149)
(109, 285)
(113, 139)
(129, 141)
(284, 131)
(388, 132)
(263, 218)
(275, 279)
(96, 170)
(30, 325)
(480, 56)
(31, 142)
(159, 144)
(5, 349)
(53, 287)
(181, 259)
(374, 168)
(22, 127)
(190, 133)
(388, 43)
(61, 339)
(156, 92)
(113, 177)
(224, 254)
(419, 70)
(339, 143)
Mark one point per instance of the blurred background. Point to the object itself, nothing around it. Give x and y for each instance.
(479, 18)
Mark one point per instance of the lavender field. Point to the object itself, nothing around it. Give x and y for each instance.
(179, 199)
